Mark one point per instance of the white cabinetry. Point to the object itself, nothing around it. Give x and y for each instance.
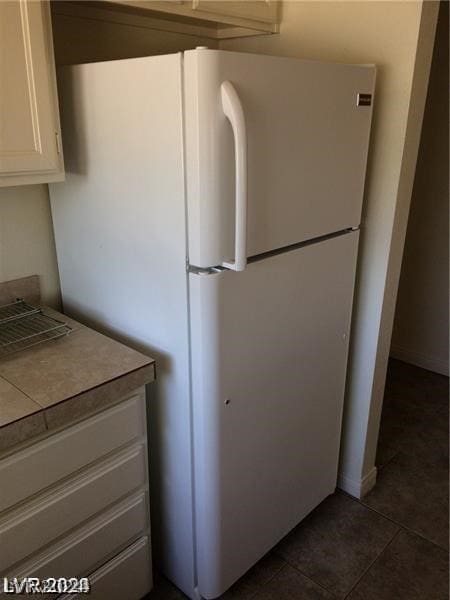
(30, 150)
(214, 19)
(76, 504)
(264, 11)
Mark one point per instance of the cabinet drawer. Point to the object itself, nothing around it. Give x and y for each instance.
(56, 457)
(49, 516)
(90, 545)
(128, 575)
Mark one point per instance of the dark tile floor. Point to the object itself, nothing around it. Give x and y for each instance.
(391, 546)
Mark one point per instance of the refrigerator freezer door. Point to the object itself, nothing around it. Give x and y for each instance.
(307, 143)
(269, 354)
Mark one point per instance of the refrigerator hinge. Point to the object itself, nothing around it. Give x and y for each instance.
(205, 270)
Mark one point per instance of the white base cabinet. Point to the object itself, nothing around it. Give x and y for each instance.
(75, 504)
(125, 576)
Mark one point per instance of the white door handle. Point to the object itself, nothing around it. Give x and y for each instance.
(232, 109)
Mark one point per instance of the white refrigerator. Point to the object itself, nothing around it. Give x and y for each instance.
(210, 217)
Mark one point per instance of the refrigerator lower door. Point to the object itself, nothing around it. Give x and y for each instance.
(306, 137)
(269, 354)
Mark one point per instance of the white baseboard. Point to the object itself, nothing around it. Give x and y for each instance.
(358, 489)
(425, 361)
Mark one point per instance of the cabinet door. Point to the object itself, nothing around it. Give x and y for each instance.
(29, 123)
(257, 10)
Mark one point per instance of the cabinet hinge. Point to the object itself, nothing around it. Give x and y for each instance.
(58, 142)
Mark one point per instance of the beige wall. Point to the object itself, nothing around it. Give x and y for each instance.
(387, 34)
(26, 239)
(421, 327)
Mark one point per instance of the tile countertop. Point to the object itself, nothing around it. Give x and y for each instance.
(55, 383)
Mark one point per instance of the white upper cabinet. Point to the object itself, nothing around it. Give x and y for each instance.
(214, 19)
(254, 10)
(30, 150)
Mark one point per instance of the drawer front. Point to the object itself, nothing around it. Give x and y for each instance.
(91, 545)
(128, 575)
(48, 461)
(43, 520)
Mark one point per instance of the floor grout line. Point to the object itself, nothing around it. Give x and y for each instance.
(371, 564)
(405, 527)
(310, 579)
(261, 587)
(381, 467)
(277, 573)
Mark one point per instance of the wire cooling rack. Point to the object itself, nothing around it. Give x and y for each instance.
(23, 325)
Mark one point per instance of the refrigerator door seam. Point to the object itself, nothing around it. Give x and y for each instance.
(318, 240)
(305, 244)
